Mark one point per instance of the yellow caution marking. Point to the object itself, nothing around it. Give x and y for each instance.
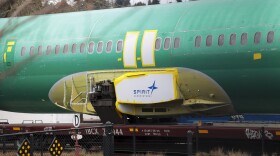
(5, 57)
(24, 149)
(119, 59)
(132, 129)
(11, 43)
(138, 58)
(277, 132)
(16, 128)
(203, 131)
(55, 148)
(9, 49)
(257, 56)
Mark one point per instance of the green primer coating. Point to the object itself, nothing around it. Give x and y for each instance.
(252, 85)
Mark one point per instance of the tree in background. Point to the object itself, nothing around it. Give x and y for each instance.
(139, 4)
(11, 8)
(122, 3)
(154, 2)
(82, 5)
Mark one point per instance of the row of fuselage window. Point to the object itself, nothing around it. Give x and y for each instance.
(166, 44)
(233, 40)
(99, 48)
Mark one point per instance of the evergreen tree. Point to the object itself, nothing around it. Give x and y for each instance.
(155, 2)
(139, 4)
(122, 3)
(179, 0)
(149, 2)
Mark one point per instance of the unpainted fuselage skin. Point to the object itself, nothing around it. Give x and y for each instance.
(249, 73)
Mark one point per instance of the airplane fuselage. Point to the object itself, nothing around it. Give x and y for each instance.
(234, 42)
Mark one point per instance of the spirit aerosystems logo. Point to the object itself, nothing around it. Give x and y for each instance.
(145, 92)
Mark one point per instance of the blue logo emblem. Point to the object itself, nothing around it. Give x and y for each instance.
(145, 92)
(153, 87)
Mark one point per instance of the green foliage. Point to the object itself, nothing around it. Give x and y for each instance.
(122, 3)
(153, 2)
(139, 4)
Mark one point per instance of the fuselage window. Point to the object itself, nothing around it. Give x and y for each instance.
(74, 48)
(31, 51)
(100, 47)
(244, 38)
(257, 37)
(109, 46)
(65, 49)
(57, 49)
(209, 40)
(197, 41)
(270, 37)
(232, 40)
(221, 40)
(40, 50)
(91, 47)
(82, 48)
(167, 43)
(158, 43)
(177, 42)
(119, 46)
(49, 50)
(23, 49)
